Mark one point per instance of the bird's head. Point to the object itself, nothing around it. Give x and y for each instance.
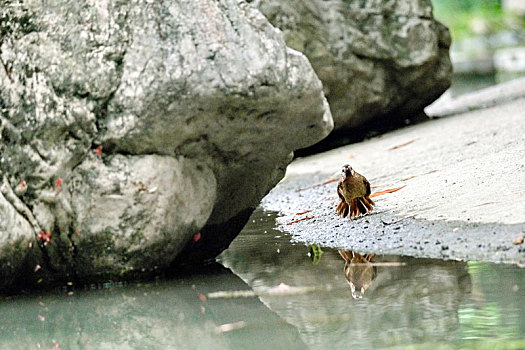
(347, 171)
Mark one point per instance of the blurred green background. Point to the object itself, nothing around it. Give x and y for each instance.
(481, 17)
(488, 41)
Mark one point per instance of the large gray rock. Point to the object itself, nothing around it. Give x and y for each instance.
(128, 126)
(379, 61)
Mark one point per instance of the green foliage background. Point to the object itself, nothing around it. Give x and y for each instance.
(460, 16)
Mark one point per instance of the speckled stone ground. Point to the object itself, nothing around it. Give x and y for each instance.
(464, 194)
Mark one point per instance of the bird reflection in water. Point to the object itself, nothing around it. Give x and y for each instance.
(359, 271)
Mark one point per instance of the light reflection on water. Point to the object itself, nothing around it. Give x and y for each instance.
(283, 295)
(406, 301)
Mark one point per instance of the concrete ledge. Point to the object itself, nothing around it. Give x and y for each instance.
(464, 196)
(484, 98)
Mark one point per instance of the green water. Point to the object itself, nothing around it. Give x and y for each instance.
(269, 293)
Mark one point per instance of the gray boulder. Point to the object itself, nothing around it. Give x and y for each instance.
(379, 61)
(129, 127)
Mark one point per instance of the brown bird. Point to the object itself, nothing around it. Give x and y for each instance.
(359, 271)
(354, 192)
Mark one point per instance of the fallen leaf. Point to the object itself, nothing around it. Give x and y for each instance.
(41, 318)
(197, 237)
(228, 327)
(482, 204)
(303, 212)
(329, 181)
(298, 220)
(284, 290)
(350, 156)
(413, 176)
(202, 297)
(280, 290)
(232, 294)
(37, 267)
(315, 252)
(518, 240)
(398, 220)
(381, 264)
(390, 190)
(317, 185)
(401, 145)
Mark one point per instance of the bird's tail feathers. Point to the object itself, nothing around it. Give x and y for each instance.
(342, 209)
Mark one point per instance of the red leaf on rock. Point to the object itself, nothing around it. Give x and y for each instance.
(197, 237)
(44, 236)
(58, 185)
(98, 150)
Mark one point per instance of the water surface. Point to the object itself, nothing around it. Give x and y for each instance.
(272, 293)
(409, 302)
